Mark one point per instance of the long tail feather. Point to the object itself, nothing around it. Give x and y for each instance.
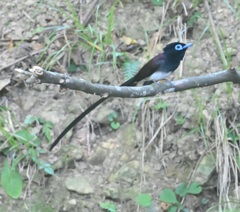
(82, 115)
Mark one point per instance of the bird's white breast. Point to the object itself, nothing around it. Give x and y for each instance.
(159, 75)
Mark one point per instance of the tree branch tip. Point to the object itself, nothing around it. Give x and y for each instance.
(22, 71)
(37, 71)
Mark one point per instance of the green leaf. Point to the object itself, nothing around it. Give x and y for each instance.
(49, 170)
(112, 116)
(204, 201)
(194, 188)
(161, 105)
(144, 200)
(47, 129)
(29, 120)
(182, 189)
(115, 125)
(108, 206)
(72, 68)
(130, 68)
(172, 208)
(46, 166)
(157, 2)
(3, 108)
(169, 196)
(11, 180)
(25, 137)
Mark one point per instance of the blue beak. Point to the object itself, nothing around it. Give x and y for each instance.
(187, 45)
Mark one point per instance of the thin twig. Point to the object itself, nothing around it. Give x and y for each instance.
(22, 58)
(89, 14)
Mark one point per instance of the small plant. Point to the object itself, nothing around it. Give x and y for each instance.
(180, 120)
(112, 117)
(144, 200)
(22, 146)
(171, 197)
(108, 206)
(47, 126)
(130, 68)
(161, 105)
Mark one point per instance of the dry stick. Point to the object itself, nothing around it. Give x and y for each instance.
(88, 16)
(39, 75)
(22, 58)
(18, 40)
(214, 31)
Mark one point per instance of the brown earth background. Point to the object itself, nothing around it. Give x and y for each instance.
(162, 141)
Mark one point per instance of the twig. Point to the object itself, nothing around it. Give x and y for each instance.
(88, 16)
(22, 58)
(19, 40)
(39, 75)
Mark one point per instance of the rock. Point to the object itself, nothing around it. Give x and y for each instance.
(126, 136)
(111, 191)
(72, 202)
(116, 192)
(205, 169)
(102, 115)
(74, 152)
(79, 184)
(98, 156)
(128, 172)
(186, 146)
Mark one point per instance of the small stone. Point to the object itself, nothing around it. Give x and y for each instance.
(79, 184)
(72, 202)
(98, 156)
(102, 115)
(75, 152)
(128, 173)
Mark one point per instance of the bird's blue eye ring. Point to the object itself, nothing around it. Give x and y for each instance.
(178, 47)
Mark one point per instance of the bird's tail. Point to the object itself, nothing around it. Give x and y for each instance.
(130, 82)
(76, 120)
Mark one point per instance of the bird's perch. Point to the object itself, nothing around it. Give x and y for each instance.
(39, 75)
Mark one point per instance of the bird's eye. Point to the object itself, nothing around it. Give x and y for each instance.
(178, 47)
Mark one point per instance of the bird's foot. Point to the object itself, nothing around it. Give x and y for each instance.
(169, 82)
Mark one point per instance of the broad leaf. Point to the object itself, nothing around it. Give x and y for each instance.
(168, 196)
(182, 189)
(194, 188)
(11, 180)
(144, 200)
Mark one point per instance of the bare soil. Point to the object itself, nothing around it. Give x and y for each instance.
(160, 148)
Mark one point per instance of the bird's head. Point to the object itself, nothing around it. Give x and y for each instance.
(176, 50)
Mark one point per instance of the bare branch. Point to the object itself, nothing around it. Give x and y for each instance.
(40, 75)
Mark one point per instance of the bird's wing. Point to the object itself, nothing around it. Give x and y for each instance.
(150, 67)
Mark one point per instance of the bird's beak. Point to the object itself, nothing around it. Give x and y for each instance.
(187, 45)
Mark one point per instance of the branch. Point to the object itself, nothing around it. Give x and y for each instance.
(39, 75)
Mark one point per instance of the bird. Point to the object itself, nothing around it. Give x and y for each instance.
(158, 68)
